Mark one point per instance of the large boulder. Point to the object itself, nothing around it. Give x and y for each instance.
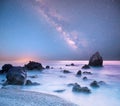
(96, 60)
(6, 67)
(16, 76)
(34, 66)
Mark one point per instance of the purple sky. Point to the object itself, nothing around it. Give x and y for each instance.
(59, 29)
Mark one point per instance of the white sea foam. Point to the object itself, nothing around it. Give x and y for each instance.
(55, 79)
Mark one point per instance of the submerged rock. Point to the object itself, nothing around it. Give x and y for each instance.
(16, 76)
(66, 71)
(72, 64)
(94, 84)
(96, 60)
(79, 73)
(59, 91)
(70, 84)
(78, 88)
(29, 82)
(6, 67)
(86, 66)
(34, 66)
(101, 83)
(88, 73)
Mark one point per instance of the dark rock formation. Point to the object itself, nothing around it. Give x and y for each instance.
(6, 67)
(59, 91)
(94, 84)
(86, 66)
(77, 88)
(96, 60)
(16, 76)
(34, 65)
(87, 73)
(79, 73)
(85, 78)
(66, 71)
(47, 67)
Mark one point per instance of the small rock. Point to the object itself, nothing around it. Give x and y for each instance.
(77, 88)
(85, 78)
(88, 73)
(66, 71)
(94, 84)
(47, 67)
(72, 64)
(29, 82)
(86, 66)
(79, 73)
(59, 91)
(85, 90)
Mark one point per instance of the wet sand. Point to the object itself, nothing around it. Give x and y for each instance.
(26, 98)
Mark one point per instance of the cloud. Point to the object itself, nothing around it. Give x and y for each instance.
(54, 18)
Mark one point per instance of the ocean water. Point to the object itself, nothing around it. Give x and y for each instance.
(54, 79)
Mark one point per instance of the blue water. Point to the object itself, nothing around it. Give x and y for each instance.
(55, 79)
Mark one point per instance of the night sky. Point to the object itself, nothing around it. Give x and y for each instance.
(59, 29)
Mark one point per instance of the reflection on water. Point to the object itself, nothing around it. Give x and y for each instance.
(54, 79)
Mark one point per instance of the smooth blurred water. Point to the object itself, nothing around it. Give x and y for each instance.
(55, 79)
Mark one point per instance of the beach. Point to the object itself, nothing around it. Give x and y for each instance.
(27, 98)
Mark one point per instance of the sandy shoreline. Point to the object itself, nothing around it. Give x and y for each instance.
(27, 98)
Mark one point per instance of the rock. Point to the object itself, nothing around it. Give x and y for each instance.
(16, 76)
(96, 60)
(6, 67)
(77, 88)
(72, 64)
(85, 78)
(47, 67)
(85, 90)
(79, 73)
(88, 73)
(59, 91)
(66, 71)
(34, 66)
(86, 66)
(29, 82)
(94, 84)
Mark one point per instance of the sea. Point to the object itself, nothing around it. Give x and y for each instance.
(53, 81)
